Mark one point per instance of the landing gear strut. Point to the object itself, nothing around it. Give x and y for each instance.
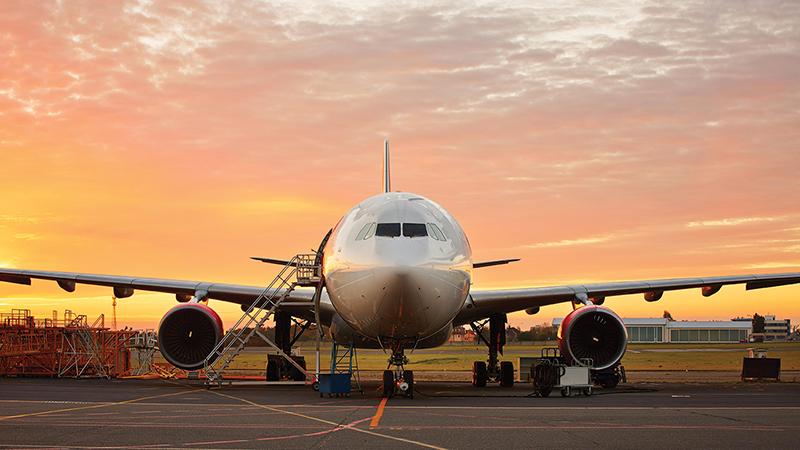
(397, 380)
(493, 370)
(277, 367)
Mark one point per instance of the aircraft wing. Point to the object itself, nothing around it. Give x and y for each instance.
(483, 303)
(298, 301)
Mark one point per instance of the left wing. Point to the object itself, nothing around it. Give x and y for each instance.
(482, 304)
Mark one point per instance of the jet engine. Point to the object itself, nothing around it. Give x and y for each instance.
(188, 333)
(593, 332)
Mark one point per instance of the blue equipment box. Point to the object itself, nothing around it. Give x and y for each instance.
(335, 383)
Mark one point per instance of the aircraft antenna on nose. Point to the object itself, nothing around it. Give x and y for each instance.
(387, 176)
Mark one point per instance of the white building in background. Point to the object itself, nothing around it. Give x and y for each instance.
(665, 330)
(774, 329)
(777, 328)
(709, 331)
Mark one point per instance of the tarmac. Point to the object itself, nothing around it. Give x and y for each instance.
(184, 414)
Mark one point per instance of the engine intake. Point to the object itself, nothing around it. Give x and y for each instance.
(593, 332)
(188, 333)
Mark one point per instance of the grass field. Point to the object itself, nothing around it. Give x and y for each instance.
(640, 357)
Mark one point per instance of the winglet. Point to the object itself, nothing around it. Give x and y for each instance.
(387, 175)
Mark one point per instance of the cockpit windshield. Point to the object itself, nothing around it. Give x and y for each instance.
(411, 230)
(388, 230)
(414, 230)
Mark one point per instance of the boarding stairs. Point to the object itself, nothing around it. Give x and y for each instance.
(301, 270)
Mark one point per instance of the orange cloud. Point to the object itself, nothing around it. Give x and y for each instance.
(620, 142)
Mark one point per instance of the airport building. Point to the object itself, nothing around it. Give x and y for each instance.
(777, 328)
(665, 331)
(774, 329)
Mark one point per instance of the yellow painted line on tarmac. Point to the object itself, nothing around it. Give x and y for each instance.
(376, 419)
(102, 405)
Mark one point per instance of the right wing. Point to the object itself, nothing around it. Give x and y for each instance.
(496, 262)
(278, 262)
(298, 302)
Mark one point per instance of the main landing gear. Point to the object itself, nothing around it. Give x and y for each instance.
(493, 370)
(278, 369)
(397, 380)
(609, 378)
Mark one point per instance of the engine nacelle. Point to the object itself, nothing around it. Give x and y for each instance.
(593, 332)
(188, 333)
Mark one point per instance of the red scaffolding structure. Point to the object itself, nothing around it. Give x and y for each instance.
(68, 347)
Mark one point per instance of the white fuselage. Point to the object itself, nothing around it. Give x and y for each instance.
(397, 267)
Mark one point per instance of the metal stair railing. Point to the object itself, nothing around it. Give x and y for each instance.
(256, 315)
(344, 359)
(308, 269)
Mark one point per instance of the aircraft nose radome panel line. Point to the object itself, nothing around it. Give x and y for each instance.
(398, 272)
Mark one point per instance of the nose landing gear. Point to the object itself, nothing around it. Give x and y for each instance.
(397, 380)
(492, 370)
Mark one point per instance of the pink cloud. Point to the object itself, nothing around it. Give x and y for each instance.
(129, 122)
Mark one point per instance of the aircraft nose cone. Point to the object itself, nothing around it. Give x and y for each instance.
(402, 309)
(398, 301)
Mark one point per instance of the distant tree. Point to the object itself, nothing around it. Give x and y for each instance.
(668, 316)
(525, 336)
(543, 332)
(512, 334)
(758, 323)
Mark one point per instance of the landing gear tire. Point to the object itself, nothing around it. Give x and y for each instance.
(479, 374)
(408, 377)
(506, 374)
(565, 391)
(388, 383)
(588, 391)
(545, 393)
(609, 382)
(609, 378)
(296, 374)
(273, 370)
(315, 386)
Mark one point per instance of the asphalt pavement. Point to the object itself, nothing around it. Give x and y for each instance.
(183, 414)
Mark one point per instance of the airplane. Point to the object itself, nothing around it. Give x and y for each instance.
(397, 275)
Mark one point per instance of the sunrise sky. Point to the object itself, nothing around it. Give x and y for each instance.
(176, 139)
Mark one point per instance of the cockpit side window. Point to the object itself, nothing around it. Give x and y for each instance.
(367, 231)
(435, 232)
(371, 231)
(414, 230)
(388, 230)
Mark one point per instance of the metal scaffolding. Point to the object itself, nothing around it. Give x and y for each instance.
(68, 347)
(143, 345)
